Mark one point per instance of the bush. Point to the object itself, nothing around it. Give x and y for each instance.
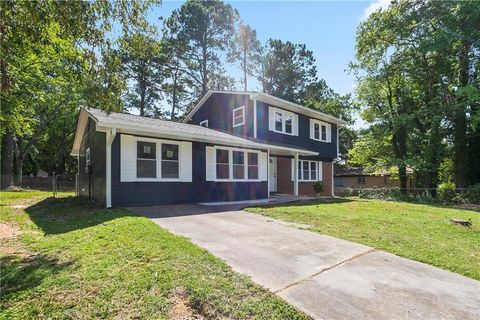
(318, 187)
(473, 194)
(343, 192)
(446, 192)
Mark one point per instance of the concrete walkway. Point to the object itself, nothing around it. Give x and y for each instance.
(325, 277)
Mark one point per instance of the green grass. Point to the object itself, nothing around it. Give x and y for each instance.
(415, 231)
(76, 260)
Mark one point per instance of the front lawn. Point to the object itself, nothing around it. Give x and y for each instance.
(415, 231)
(66, 258)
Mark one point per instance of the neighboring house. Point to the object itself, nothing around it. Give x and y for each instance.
(356, 178)
(232, 146)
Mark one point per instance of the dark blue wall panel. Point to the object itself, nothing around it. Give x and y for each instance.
(199, 190)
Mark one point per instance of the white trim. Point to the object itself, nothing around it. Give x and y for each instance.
(158, 160)
(230, 164)
(272, 112)
(328, 131)
(242, 108)
(269, 99)
(108, 185)
(204, 122)
(255, 119)
(295, 175)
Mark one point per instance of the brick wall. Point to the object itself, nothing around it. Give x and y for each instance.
(285, 183)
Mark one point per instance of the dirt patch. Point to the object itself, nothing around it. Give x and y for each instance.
(18, 206)
(8, 231)
(181, 309)
(16, 189)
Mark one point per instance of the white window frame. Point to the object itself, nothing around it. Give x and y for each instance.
(300, 165)
(283, 115)
(158, 158)
(204, 123)
(328, 130)
(242, 109)
(230, 164)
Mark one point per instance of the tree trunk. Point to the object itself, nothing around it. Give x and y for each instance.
(174, 95)
(245, 68)
(142, 95)
(399, 142)
(7, 160)
(204, 70)
(19, 158)
(460, 123)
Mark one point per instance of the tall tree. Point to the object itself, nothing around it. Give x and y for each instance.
(142, 65)
(286, 69)
(246, 51)
(201, 33)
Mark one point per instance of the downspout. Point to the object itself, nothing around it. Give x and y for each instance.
(108, 194)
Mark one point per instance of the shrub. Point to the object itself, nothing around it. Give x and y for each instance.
(318, 187)
(343, 192)
(473, 194)
(446, 192)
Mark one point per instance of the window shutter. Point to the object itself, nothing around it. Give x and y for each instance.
(295, 124)
(292, 168)
(320, 171)
(271, 119)
(312, 129)
(329, 133)
(262, 166)
(186, 161)
(128, 165)
(210, 169)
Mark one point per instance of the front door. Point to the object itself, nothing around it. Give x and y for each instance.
(272, 174)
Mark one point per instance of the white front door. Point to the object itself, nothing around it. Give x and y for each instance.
(272, 174)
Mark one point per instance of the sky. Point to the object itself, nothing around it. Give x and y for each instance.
(327, 28)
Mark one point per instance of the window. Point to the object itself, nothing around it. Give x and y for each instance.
(307, 170)
(204, 123)
(320, 131)
(238, 165)
(238, 116)
(362, 180)
(252, 165)
(170, 167)
(223, 164)
(282, 121)
(146, 159)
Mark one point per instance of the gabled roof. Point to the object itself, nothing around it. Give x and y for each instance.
(134, 124)
(272, 100)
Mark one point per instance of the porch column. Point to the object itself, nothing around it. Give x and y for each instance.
(295, 175)
(268, 171)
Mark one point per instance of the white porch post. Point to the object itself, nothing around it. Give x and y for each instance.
(268, 172)
(110, 136)
(295, 175)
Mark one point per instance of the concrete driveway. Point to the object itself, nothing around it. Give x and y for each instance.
(325, 277)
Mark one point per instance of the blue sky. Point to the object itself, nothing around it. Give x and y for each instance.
(326, 27)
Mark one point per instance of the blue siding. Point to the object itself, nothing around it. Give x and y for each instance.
(199, 190)
(218, 110)
(95, 184)
(327, 150)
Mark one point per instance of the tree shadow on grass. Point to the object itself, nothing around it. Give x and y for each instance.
(22, 273)
(61, 215)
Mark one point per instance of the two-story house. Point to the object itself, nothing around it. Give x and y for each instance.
(232, 146)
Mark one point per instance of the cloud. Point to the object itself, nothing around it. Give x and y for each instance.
(374, 6)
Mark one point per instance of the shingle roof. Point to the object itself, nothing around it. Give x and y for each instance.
(123, 121)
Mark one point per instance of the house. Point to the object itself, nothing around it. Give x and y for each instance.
(232, 146)
(357, 178)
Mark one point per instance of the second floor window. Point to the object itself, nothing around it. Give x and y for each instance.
(282, 121)
(320, 131)
(238, 116)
